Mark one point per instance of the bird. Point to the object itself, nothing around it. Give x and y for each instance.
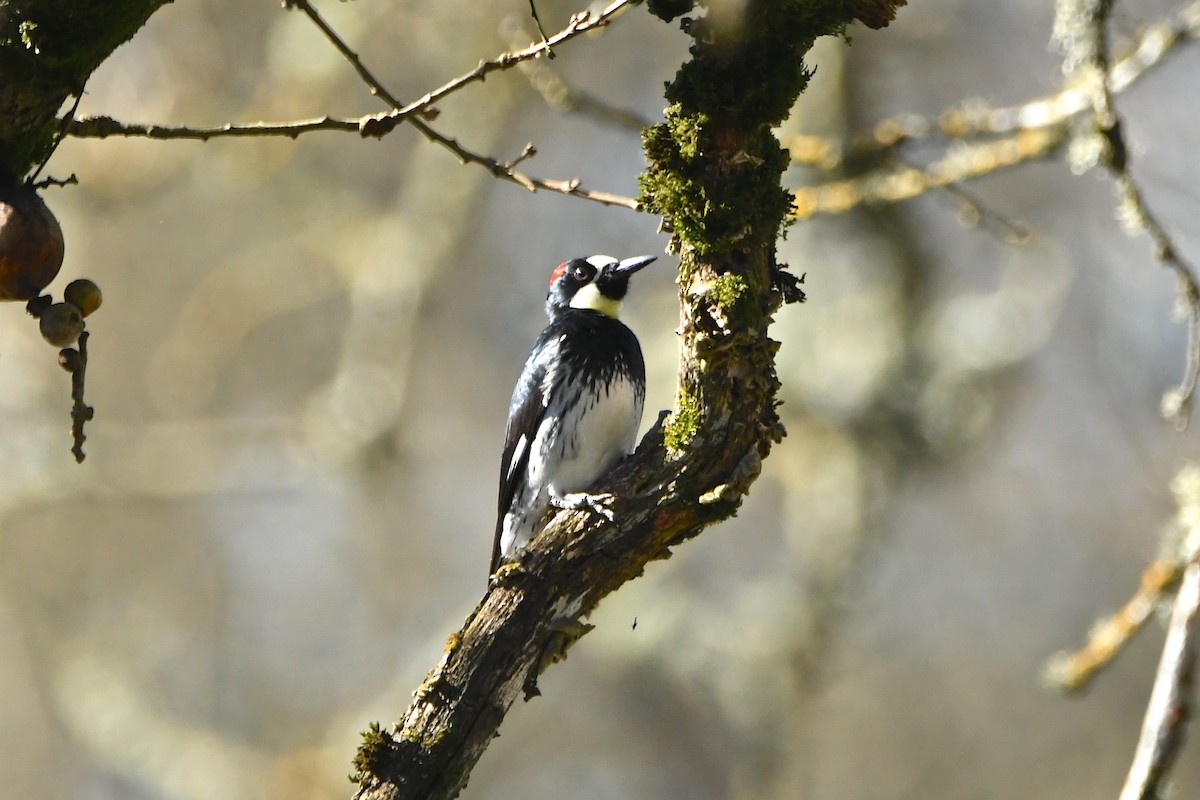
(577, 404)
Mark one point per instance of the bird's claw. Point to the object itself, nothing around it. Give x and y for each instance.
(597, 503)
(505, 573)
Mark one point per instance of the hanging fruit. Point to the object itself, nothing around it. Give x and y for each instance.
(31, 244)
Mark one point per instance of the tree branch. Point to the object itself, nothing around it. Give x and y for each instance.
(983, 139)
(1072, 672)
(379, 125)
(1081, 28)
(1170, 705)
(715, 172)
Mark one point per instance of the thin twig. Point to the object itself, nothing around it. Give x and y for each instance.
(70, 180)
(1032, 130)
(974, 211)
(1155, 42)
(1170, 705)
(101, 127)
(378, 125)
(565, 98)
(1133, 209)
(370, 80)
(62, 134)
(505, 170)
(538, 22)
(1073, 672)
(499, 169)
(81, 412)
(572, 186)
(580, 23)
(1045, 117)
(961, 163)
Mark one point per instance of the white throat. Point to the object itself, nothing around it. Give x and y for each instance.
(590, 297)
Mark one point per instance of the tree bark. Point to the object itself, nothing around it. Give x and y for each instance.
(48, 49)
(714, 175)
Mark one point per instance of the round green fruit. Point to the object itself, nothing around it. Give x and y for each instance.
(84, 295)
(61, 324)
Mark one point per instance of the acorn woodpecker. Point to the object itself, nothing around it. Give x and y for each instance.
(577, 405)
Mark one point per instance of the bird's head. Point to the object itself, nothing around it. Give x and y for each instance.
(598, 283)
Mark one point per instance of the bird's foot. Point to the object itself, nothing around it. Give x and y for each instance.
(564, 632)
(597, 503)
(505, 573)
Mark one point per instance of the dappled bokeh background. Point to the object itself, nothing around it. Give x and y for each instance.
(301, 373)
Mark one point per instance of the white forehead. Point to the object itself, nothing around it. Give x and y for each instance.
(600, 262)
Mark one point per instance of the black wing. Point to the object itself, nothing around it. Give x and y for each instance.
(525, 415)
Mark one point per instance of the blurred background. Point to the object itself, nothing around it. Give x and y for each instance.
(301, 374)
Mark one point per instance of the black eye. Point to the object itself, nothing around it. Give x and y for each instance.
(582, 274)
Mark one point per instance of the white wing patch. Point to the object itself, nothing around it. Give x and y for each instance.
(518, 452)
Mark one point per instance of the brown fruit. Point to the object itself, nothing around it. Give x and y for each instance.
(61, 324)
(84, 294)
(31, 244)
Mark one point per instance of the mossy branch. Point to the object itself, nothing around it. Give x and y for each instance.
(715, 177)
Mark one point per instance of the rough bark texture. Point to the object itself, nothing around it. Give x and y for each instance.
(48, 48)
(714, 175)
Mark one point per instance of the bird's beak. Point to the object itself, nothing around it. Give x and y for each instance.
(632, 265)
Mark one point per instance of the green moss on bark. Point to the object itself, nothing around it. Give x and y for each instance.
(715, 175)
(716, 198)
(715, 166)
(682, 425)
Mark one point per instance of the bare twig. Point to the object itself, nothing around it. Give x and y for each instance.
(1180, 546)
(73, 360)
(565, 98)
(580, 23)
(81, 412)
(1083, 33)
(1170, 705)
(904, 182)
(498, 169)
(1155, 43)
(62, 134)
(378, 125)
(538, 22)
(504, 170)
(1045, 118)
(1028, 131)
(370, 80)
(974, 211)
(44, 183)
(101, 127)
(1074, 671)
